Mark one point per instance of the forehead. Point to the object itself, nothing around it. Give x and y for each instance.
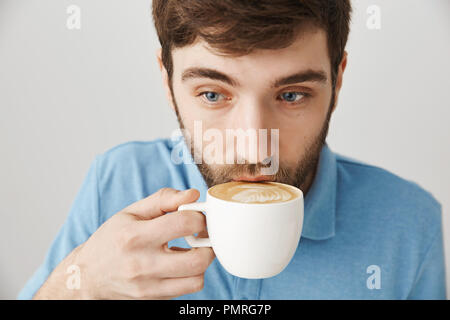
(308, 51)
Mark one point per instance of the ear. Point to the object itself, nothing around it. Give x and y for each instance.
(165, 78)
(339, 78)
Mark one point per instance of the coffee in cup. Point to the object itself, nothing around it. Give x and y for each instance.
(254, 227)
(251, 192)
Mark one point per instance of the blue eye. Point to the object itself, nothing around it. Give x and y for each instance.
(292, 96)
(211, 96)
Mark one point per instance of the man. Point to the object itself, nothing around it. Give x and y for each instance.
(234, 64)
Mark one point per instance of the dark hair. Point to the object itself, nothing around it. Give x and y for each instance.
(236, 27)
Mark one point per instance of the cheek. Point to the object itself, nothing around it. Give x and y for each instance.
(299, 132)
(292, 148)
(187, 108)
(302, 129)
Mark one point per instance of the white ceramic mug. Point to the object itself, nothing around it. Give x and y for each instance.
(251, 240)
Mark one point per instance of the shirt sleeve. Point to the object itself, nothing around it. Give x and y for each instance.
(81, 222)
(430, 281)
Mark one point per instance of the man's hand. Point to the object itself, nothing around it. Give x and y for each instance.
(128, 256)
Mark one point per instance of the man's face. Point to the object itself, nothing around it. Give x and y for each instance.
(287, 89)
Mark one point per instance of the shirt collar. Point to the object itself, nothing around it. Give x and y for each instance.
(320, 200)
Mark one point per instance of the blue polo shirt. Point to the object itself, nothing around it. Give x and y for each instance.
(367, 234)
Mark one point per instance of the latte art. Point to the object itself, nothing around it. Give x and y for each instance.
(257, 193)
(253, 192)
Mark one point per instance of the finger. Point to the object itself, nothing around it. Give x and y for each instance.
(184, 263)
(159, 231)
(180, 286)
(163, 201)
(178, 249)
(171, 226)
(203, 234)
(175, 248)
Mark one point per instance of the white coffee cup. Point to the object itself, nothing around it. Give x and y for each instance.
(251, 240)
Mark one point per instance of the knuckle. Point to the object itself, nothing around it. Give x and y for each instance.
(139, 291)
(199, 220)
(152, 267)
(164, 192)
(127, 238)
(198, 284)
(210, 255)
(132, 269)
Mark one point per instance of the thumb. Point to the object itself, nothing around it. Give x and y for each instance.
(161, 202)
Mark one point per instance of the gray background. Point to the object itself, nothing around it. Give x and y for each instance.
(67, 95)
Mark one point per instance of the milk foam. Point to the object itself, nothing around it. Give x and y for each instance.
(255, 193)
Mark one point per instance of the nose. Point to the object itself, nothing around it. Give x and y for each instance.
(251, 114)
(251, 123)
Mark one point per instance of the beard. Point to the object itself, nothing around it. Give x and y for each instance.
(296, 175)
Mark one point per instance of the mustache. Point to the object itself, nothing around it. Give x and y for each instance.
(225, 173)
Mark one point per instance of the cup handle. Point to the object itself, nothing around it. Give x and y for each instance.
(193, 241)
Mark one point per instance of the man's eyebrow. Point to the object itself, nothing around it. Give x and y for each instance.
(302, 76)
(208, 73)
(298, 77)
